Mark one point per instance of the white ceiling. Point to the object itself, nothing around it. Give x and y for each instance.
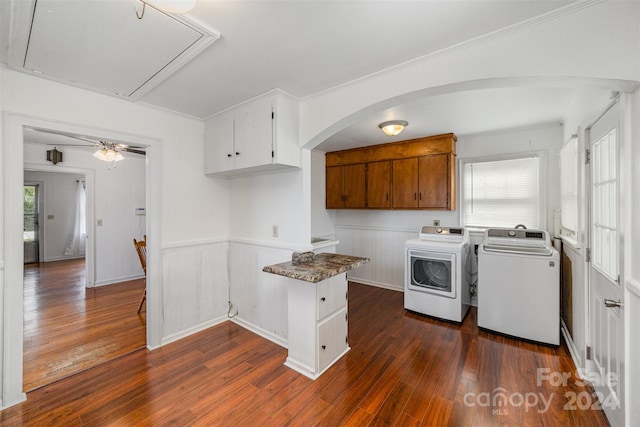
(462, 113)
(303, 47)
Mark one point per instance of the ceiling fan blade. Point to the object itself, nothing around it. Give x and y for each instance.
(133, 150)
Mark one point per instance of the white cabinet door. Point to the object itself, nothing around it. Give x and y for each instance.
(259, 135)
(218, 147)
(332, 339)
(332, 295)
(253, 142)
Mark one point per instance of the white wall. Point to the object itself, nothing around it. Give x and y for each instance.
(117, 191)
(322, 220)
(192, 209)
(632, 255)
(58, 192)
(596, 42)
(257, 203)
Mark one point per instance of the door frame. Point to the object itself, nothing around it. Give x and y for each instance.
(617, 101)
(11, 287)
(40, 196)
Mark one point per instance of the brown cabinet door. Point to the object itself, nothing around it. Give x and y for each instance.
(335, 187)
(379, 184)
(405, 183)
(433, 176)
(354, 186)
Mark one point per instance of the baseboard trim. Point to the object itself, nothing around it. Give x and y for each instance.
(23, 398)
(376, 284)
(259, 331)
(118, 280)
(190, 331)
(573, 350)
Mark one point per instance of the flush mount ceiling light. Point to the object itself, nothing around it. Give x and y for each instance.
(109, 152)
(393, 127)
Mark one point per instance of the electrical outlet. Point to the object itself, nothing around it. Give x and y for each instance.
(436, 223)
(275, 230)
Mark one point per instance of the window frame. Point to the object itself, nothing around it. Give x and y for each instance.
(542, 183)
(564, 231)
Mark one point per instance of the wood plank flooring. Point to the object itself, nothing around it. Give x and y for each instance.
(69, 328)
(403, 369)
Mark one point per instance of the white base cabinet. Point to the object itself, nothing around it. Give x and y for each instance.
(318, 324)
(258, 135)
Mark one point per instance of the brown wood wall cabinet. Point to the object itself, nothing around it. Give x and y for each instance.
(414, 174)
(346, 187)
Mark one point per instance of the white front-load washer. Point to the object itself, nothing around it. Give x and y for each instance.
(436, 282)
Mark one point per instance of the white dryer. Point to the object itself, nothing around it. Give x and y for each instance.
(519, 285)
(436, 282)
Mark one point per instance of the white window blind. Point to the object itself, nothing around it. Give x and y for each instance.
(569, 188)
(502, 193)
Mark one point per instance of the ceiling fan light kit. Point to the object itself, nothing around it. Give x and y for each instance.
(108, 155)
(393, 127)
(109, 152)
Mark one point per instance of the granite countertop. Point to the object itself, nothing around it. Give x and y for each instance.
(316, 267)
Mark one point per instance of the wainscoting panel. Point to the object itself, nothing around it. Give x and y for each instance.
(259, 298)
(385, 248)
(195, 287)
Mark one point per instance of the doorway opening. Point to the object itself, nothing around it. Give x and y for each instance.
(81, 298)
(31, 227)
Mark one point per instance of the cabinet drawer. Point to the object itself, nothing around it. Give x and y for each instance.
(332, 338)
(332, 295)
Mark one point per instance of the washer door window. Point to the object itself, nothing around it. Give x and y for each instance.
(433, 272)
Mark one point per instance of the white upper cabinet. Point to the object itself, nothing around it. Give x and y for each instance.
(255, 136)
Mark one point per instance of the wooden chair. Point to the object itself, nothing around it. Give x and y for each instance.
(141, 249)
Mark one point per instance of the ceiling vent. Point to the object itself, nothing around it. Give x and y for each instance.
(103, 45)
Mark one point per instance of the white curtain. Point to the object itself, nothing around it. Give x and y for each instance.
(78, 234)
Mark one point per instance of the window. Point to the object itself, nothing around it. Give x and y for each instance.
(569, 188)
(502, 193)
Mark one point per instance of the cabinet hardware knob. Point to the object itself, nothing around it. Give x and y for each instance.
(323, 299)
(228, 155)
(415, 196)
(324, 347)
(237, 153)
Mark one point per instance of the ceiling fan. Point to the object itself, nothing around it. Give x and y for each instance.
(106, 150)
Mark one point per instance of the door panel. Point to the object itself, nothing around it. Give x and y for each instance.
(433, 181)
(354, 186)
(379, 184)
(335, 190)
(405, 183)
(606, 318)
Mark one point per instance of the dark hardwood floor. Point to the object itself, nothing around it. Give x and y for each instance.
(403, 369)
(69, 328)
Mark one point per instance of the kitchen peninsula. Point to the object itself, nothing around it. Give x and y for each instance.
(317, 309)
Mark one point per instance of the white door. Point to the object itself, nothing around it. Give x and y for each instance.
(606, 316)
